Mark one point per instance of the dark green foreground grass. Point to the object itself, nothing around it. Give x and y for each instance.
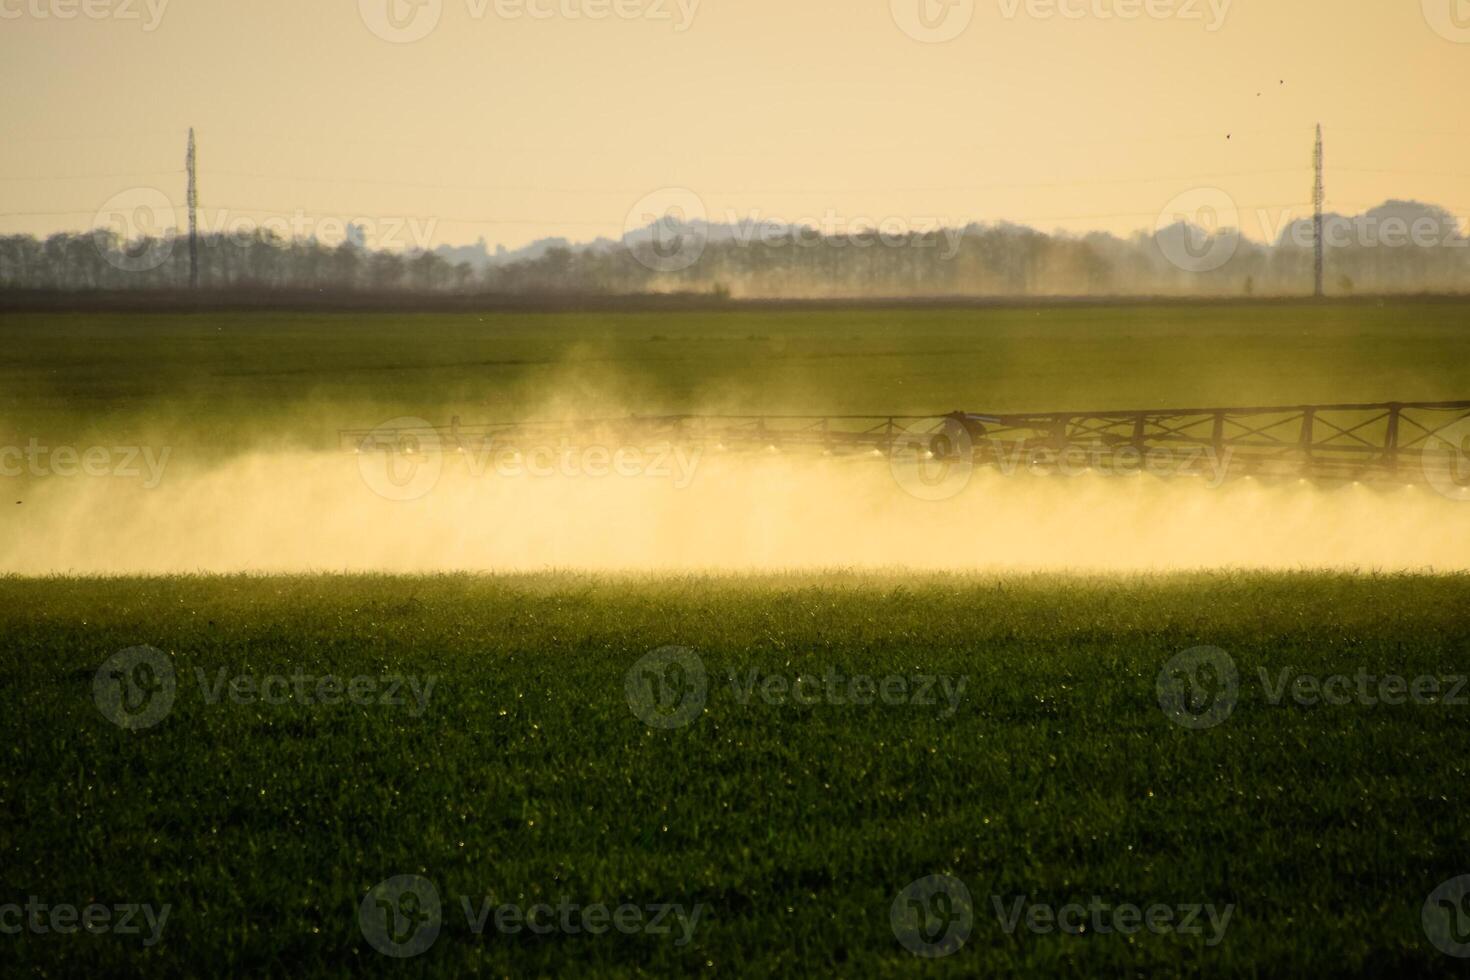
(529, 777)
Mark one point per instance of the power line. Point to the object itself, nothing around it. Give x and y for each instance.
(559, 222)
(1400, 173)
(837, 144)
(218, 211)
(522, 188)
(84, 137)
(111, 176)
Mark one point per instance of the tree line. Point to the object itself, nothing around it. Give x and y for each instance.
(979, 261)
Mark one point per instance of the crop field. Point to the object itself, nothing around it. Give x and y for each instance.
(528, 775)
(209, 383)
(787, 772)
(659, 488)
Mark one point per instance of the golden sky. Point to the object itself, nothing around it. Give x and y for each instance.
(517, 119)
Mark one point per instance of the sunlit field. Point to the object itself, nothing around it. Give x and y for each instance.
(645, 488)
(218, 439)
(217, 383)
(787, 717)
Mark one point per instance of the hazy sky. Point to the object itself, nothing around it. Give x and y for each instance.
(1073, 114)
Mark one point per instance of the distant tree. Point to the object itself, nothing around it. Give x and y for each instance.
(981, 260)
(385, 270)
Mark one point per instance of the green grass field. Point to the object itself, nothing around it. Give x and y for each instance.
(528, 777)
(1048, 760)
(210, 383)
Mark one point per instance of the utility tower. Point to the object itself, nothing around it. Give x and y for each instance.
(1319, 197)
(193, 215)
